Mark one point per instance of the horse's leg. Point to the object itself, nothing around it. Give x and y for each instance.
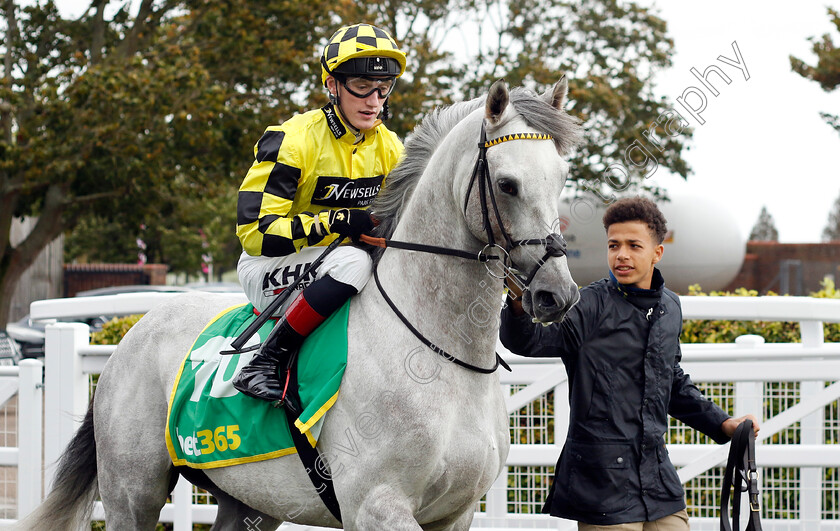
(382, 507)
(135, 471)
(462, 523)
(234, 515)
(133, 487)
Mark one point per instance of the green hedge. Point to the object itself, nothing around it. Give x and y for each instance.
(718, 331)
(114, 330)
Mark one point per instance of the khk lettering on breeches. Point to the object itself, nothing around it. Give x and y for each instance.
(263, 277)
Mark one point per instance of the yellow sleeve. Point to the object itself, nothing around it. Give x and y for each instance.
(265, 200)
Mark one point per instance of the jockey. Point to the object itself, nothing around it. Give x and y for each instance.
(313, 178)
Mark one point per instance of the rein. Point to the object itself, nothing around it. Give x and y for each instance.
(554, 243)
(740, 476)
(447, 356)
(431, 249)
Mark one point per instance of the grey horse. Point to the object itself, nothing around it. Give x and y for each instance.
(413, 440)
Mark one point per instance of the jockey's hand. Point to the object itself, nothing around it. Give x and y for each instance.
(350, 222)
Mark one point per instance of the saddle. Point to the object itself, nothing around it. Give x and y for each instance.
(741, 476)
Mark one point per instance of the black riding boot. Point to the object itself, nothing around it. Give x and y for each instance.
(260, 379)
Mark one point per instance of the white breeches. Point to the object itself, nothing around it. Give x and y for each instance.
(263, 277)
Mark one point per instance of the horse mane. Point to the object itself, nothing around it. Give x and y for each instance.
(420, 145)
(424, 140)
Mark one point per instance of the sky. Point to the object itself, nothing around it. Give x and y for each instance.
(763, 142)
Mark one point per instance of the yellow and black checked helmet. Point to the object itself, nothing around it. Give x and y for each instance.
(362, 49)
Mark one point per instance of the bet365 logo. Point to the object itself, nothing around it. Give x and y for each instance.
(204, 442)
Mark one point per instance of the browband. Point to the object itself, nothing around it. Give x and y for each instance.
(517, 136)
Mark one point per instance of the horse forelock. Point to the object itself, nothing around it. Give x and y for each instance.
(545, 118)
(427, 136)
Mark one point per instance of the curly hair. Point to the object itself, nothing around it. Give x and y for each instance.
(637, 209)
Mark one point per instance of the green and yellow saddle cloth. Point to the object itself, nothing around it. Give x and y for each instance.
(210, 424)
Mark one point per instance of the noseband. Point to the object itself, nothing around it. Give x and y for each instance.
(554, 243)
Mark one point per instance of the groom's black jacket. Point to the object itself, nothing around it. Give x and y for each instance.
(621, 350)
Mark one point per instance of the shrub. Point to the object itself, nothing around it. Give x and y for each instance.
(715, 331)
(114, 330)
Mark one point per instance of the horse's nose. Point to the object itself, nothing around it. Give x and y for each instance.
(553, 305)
(546, 300)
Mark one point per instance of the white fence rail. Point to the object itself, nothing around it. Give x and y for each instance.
(812, 366)
(25, 382)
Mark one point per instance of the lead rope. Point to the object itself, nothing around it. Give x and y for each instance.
(740, 468)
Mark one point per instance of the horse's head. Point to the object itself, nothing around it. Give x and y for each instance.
(517, 205)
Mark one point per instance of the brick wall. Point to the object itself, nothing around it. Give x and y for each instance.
(772, 265)
(82, 277)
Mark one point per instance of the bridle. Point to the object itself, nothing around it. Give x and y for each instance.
(554, 243)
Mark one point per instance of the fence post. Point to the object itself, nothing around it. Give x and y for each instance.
(66, 390)
(562, 412)
(182, 506)
(749, 396)
(30, 404)
(812, 428)
(495, 502)
(749, 399)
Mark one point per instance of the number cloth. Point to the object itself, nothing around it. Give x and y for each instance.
(211, 425)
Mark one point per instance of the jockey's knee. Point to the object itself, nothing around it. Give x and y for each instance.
(348, 265)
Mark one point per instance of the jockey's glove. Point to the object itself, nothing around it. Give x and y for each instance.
(350, 222)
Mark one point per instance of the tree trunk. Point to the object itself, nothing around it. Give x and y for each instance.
(15, 260)
(8, 283)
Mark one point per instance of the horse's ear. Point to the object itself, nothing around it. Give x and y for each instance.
(556, 96)
(497, 101)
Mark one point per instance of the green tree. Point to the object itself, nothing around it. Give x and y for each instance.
(765, 228)
(119, 120)
(827, 70)
(611, 52)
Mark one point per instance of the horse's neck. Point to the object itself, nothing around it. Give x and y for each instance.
(454, 302)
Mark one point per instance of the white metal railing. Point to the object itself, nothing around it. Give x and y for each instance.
(748, 363)
(25, 381)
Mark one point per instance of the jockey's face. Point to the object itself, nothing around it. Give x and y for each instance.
(363, 112)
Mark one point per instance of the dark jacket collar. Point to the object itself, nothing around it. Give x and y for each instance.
(657, 284)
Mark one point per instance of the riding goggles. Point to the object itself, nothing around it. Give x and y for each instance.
(364, 86)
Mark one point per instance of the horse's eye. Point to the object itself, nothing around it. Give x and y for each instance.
(507, 187)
